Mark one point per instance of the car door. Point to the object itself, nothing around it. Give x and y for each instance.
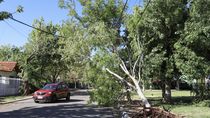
(59, 91)
(65, 90)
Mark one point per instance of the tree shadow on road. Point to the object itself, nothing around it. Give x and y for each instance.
(60, 111)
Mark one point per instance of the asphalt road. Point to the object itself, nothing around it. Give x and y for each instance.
(75, 108)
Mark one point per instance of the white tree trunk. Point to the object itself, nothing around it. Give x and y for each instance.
(141, 95)
(136, 86)
(136, 83)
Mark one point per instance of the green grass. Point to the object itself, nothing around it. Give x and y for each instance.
(192, 111)
(158, 93)
(10, 98)
(183, 103)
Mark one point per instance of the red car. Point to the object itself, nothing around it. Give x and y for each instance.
(51, 93)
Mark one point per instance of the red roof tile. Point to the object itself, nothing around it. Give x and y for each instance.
(7, 66)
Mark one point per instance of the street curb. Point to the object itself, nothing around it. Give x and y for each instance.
(26, 98)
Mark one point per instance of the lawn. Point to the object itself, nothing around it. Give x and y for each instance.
(192, 111)
(158, 93)
(183, 103)
(10, 98)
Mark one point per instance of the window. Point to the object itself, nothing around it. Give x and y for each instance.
(59, 87)
(64, 86)
(49, 87)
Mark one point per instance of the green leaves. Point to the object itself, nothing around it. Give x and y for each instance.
(94, 43)
(5, 15)
(19, 9)
(11, 53)
(44, 57)
(106, 89)
(193, 50)
(167, 36)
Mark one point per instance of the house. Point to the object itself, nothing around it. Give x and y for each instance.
(9, 81)
(9, 69)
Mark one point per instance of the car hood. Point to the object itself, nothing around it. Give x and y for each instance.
(44, 91)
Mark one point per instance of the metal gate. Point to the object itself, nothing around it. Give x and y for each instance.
(9, 86)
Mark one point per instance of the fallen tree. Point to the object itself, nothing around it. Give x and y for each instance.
(136, 82)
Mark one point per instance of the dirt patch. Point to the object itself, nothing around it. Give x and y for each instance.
(136, 110)
(154, 113)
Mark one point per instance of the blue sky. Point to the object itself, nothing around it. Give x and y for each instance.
(13, 33)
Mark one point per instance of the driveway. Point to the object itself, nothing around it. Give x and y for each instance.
(76, 108)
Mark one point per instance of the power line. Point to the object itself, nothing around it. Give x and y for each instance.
(141, 13)
(15, 29)
(144, 10)
(123, 10)
(35, 27)
(146, 6)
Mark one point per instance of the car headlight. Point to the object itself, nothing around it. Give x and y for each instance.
(49, 92)
(35, 92)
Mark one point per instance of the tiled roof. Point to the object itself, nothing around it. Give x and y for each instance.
(7, 66)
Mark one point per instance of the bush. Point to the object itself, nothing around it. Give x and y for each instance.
(106, 92)
(204, 103)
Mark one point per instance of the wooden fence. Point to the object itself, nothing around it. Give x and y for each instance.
(9, 86)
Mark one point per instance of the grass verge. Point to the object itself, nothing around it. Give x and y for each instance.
(10, 98)
(183, 103)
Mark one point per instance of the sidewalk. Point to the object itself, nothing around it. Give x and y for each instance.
(6, 100)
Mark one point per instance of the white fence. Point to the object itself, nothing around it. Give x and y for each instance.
(9, 86)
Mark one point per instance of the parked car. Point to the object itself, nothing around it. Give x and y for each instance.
(52, 92)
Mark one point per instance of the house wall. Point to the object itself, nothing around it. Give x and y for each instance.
(8, 74)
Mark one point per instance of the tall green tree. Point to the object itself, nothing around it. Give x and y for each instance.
(75, 51)
(192, 55)
(5, 53)
(102, 20)
(44, 62)
(158, 30)
(11, 53)
(99, 35)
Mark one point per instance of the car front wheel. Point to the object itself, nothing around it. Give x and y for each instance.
(54, 98)
(36, 101)
(68, 97)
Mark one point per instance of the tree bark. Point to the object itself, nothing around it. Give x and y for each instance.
(75, 83)
(163, 79)
(141, 95)
(128, 95)
(167, 97)
(53, 79)
(177, 84)
(166, 84)
(26, 88)
(163, 88)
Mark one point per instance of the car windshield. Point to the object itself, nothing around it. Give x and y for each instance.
(49, 87)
